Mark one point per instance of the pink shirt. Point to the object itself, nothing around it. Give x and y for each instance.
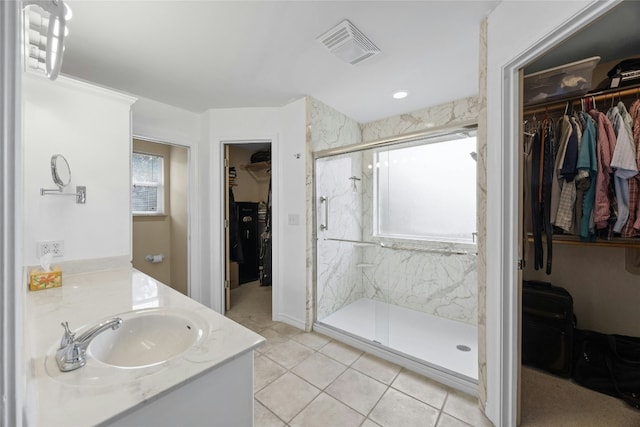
(605, 146)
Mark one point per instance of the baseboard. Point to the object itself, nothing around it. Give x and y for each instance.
(285, 318)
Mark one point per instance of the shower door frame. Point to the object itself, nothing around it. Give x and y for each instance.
(423, 367)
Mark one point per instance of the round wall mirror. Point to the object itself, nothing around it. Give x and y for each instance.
(60, 170)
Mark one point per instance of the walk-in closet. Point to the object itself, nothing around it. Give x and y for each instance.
(580, 211)
(248, 221)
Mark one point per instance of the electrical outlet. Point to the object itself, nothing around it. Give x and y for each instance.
(56, 247)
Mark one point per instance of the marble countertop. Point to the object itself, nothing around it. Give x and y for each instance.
(97, 393)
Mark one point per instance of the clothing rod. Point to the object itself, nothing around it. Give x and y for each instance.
(598, 96)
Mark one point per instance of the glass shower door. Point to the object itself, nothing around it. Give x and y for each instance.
(349, 273)
(395, 252)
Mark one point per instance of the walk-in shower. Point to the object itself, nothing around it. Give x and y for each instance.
(395, 226)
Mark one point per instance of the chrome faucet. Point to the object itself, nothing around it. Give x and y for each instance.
(71, 354)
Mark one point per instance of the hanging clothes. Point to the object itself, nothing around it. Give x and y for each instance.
(588, 162)
(543, 163)
(632, 227)
(536, 214)
(266, 258)
(605, 207)
(526, 197)
(235, 243)
(568, 171)
(624, 164)
(581, 178)
(628, 121)
(564, 132)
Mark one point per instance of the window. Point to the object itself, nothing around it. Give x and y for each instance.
(426, 190)
(147, 172)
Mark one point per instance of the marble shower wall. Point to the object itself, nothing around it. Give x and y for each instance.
(338, 276)
(482, 218)
(336, 267)
(441, 284)
(450, 114)
(444, 285)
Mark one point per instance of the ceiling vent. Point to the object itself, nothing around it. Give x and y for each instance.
(348, 43)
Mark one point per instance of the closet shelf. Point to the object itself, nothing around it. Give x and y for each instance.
(260, 171)
(616, 242)
(603, 95)
(258, 165)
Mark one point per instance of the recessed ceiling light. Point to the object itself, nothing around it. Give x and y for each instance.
(400, 94)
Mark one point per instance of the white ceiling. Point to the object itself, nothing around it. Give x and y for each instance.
(199, 55)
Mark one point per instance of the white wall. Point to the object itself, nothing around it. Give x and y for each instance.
(511, 37)
(291, 184)
(285, 128)
(164, 123)
(91, 128)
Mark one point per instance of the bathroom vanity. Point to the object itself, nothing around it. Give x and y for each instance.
(195, 368)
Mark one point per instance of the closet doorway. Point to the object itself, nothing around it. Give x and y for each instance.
(595, 267)
(248, 230)
(160, 213)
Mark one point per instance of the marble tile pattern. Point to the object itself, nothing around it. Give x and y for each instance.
(444, 285)
(97, 392)
(450, 114)
(481, 194)
(328, 128)
(337, 265)
(436, 283)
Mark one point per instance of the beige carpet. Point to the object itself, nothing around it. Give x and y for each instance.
(551, 401)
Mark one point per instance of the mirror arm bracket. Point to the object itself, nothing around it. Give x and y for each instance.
(80, 194)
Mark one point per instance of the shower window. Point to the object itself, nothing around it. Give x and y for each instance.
(426, 190)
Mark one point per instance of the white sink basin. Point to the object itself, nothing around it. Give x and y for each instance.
(146, 338)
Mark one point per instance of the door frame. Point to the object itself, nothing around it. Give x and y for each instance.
(503, 171)
(13, 385)
(193, 291)
(275, 228)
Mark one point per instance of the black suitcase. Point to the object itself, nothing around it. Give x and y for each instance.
(547, 327)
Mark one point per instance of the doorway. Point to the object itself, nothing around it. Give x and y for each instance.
(550, 389)
(160, 200)
(248, 230)
(502, 207)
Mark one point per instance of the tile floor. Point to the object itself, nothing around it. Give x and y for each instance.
(308, 380)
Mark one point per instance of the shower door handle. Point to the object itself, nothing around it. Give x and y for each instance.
(325, 226)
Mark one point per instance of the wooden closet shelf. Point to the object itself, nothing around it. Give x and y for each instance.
(258, 165)
(616, 242)
(260, 171)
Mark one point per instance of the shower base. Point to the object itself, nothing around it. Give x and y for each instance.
(446, 344)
